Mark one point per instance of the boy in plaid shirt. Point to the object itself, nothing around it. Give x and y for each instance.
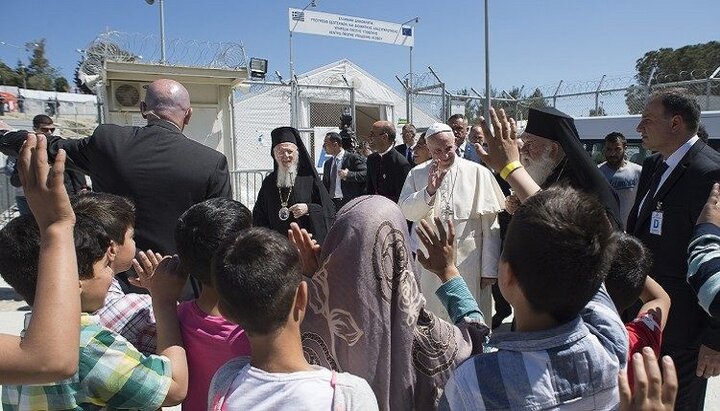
(129, 315)
(112, 372)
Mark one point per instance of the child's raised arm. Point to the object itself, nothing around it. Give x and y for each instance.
(165, 285)
(655, 301)
(49, 350)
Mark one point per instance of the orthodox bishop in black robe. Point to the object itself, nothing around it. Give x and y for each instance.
(293, 192)
(571, 165)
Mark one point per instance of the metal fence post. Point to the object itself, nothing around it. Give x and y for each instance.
(293, 104)
(597, 96)
(444, 106)
(557, 90)
(708, 89)
(408, 101)
(352, 109)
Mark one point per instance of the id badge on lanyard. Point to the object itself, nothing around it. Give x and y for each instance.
(656, 220)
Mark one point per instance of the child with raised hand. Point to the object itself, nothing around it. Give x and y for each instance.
(112, 373)
(209, 338)
(259, 279)
(569, 344)
(628, 280)
(48, 349)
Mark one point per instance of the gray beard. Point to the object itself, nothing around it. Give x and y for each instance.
(540, 169)
(286, 176)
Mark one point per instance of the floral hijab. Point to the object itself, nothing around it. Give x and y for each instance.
(366, 313)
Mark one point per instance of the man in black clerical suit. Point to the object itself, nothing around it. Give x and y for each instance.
(386, 167)
(293, 192)
(156, 166)
(672, 191)
(409, 140)
(343, 174)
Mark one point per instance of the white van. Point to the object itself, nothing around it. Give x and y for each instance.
(593, 130)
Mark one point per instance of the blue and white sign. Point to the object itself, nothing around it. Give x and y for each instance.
(355, 28)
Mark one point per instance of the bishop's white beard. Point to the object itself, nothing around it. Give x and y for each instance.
(541, 168)
(286, 176)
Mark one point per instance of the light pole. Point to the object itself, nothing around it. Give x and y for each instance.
(22, 67)
(293, 82)
(487, 65)
(162, 28)
(408, 82)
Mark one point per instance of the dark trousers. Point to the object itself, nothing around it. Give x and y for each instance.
(691, 389)
(502, 307)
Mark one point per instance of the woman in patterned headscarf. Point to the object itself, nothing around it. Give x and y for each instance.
(366, 314)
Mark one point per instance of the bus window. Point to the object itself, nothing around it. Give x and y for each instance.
(634, 152)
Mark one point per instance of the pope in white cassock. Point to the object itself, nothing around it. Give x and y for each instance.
(452, 188)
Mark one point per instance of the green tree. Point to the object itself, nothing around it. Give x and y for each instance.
(40, 74)
(8, 76)
(600, 112)
(61, 84)
(514, 102)
(667, 65)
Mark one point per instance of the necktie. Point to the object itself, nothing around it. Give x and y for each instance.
(654, 185)
(333, 177)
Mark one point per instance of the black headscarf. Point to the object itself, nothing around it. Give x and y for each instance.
(578, 167)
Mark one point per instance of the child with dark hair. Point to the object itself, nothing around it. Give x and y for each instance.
(259, 280)
(112, 372)
(626, 281)
(47, 350)
(129, 315)
(569, 343)
(210, 340)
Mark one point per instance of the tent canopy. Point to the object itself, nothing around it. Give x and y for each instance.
(265, 107)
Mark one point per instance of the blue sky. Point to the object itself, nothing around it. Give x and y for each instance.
(533, 42)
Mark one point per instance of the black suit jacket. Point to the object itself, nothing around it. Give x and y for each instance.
(156, 166)
(681, 198)
(354, 184)
(402, 149)
(386, 174)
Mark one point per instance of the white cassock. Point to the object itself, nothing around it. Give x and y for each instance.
(470, 196)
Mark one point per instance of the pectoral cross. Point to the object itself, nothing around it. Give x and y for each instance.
(446, 210)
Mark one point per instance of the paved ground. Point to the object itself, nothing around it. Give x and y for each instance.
(12, 312)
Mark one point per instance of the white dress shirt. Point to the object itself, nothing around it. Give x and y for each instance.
(338, 165)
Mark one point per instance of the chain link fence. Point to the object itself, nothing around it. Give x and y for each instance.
(606, 96)
(264, 106)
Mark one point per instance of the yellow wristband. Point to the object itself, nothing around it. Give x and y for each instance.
(509, 168)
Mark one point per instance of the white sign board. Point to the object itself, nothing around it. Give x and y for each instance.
(356, 28)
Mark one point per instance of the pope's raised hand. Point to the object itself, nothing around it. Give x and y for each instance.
(435, 177)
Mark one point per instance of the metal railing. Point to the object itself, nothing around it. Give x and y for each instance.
(246, 185)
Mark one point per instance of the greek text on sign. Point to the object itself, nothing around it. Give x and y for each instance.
(356, 28)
